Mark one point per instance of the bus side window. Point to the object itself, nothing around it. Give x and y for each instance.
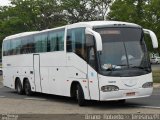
(24, 45)
(31, 45)
(56, 40)
(6, 48)
(69, 42)
(91, 50)
(15, 46)
(76, 42)
(60, 37)
(52, 41)
(41, 42)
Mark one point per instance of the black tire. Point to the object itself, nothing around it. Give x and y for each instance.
(80, 96)
(122, 101)
(18, 87)
(27, 88)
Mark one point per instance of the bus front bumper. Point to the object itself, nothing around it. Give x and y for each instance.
(125, 94)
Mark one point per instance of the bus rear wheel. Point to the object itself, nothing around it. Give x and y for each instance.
(80, 96)
(27, 88)
(18, 87)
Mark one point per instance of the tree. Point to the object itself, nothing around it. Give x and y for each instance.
(30, 15)
(39, 14)
(9, 24)
(145, 13)
(78, 10)
(102, 6)
(125, 10)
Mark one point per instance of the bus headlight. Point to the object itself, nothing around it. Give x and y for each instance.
(109, 88)
(147, 85)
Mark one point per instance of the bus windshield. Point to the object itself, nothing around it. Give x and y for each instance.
(123, 48)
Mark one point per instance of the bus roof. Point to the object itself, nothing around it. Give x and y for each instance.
(20, 35)
(30, 33)
(90, 24)
(93, 24)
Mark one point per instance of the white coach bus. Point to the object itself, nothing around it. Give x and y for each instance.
(97, 60)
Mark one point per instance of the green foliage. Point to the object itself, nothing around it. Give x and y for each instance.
(145, 13)
(32, 15)
(39, 14)
(102, 7)
(79, 10)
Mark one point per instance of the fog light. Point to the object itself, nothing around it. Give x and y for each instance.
(109, 88)
(147, 85)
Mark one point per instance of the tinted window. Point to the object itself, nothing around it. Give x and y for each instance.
(60, 37)
(27, 45)
(24, 45)
(76, 41)
(56, 40)
(15, 46)
(6, 48)
(53, 41)
(91, 50)
(40, 42)
(31, 45)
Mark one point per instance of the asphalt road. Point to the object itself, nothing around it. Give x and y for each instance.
(50, 107)
(149, 102)
(155, 66)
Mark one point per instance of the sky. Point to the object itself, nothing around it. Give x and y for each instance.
(4, 2)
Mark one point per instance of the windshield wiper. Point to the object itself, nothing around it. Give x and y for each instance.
(139, 67)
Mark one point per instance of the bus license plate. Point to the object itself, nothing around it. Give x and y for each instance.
(130, 94)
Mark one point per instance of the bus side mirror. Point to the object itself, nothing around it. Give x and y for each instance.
(97, 38)
(153, 37)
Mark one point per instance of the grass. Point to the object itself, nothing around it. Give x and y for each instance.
(156, 76)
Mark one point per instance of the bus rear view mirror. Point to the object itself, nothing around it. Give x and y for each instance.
(97, 37)
(153, 37)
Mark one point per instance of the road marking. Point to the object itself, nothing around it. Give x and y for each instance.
(41, 99)
(145, 106)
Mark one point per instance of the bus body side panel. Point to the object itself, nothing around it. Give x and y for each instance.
(7, 72)
(8, 80)
(77, 71)
(93, 83)
(18, 66)
(53, 73)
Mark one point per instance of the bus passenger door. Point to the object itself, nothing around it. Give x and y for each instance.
(36, 67)
(93, 81)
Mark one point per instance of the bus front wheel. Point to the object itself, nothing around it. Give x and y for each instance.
(27, 88)
(80, 95)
